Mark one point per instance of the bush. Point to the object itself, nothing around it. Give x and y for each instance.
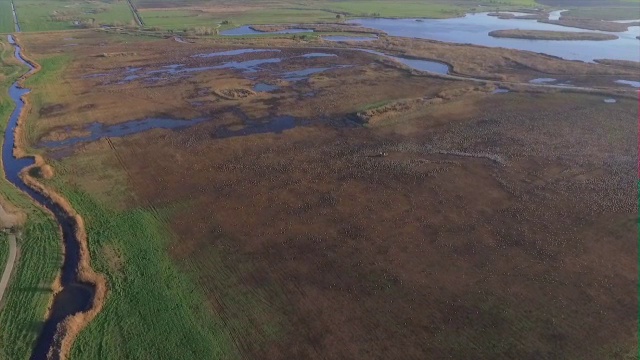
(202, 30)
(86, 23)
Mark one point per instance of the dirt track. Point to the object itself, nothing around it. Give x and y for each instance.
(136, 15)
(8, 219)
(6, 275)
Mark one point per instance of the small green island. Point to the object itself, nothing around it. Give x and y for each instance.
(551, 35)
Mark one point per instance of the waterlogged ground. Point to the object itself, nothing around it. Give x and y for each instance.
(214, 81)
(254, 68)
(286, 71)
(326, 202)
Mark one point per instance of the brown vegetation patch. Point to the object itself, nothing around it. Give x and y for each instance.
(47, 110)
(453, 93)
(87, 107)
(400, 109)
(10, 216)
(63, 134)
(424, 252)
(620, 63)
(497, 63)
(234, 94)
(114, 258)
(42, 172)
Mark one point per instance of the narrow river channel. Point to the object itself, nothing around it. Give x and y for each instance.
(74, 296)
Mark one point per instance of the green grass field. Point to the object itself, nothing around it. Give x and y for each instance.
(153, 310)
(181, 16)
(40, 15)
(605, 13)
(6, 16)
(392, 9)
(180, 19)
(29, 292)
(422, 9)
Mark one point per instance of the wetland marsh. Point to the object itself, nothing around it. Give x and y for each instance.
(278, 195)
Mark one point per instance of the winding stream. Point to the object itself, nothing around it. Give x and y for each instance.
(74, 296)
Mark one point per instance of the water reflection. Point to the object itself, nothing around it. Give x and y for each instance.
(475, 28)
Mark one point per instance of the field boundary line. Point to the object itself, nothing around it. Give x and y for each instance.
(136, 14)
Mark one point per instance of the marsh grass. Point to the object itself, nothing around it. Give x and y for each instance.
(48, 86)
(4, 251)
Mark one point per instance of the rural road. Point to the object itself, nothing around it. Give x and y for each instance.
(8, 220)
(11, 260)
